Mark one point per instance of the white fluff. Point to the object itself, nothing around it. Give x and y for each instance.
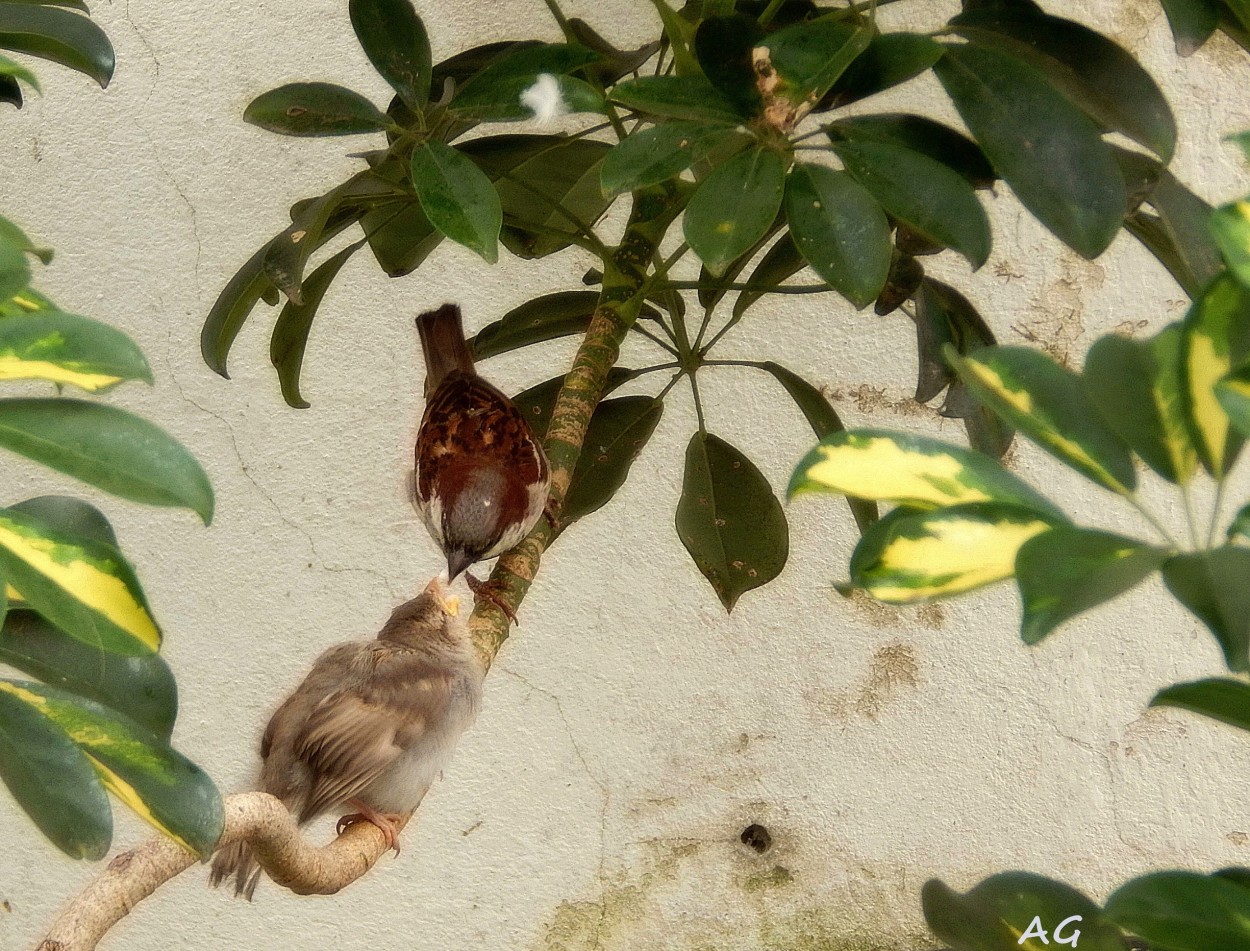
(544, 99)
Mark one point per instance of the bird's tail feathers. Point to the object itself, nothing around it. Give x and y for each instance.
(236, 860)
(444, 345)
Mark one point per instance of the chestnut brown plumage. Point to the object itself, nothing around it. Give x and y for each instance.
(371, 726)
(480, 477)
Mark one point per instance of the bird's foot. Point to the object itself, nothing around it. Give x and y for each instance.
(389, 824)
(489, 591)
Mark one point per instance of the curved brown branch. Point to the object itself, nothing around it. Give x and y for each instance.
(258, 817)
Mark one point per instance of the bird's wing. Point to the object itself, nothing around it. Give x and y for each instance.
(359, 731)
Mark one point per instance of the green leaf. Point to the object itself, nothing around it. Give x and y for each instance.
(1046, 148)
(458, 198)
(109, 448)
(723, 45)
(1136, 386)
(70, 515)
(1068, 570)
(939, 142)
(495, 94)
(1233, 393)
(913, 471)
(944, 316)
(1184, 911)
(1212, 585)
(619, 429)
(912, 555)
(1215, 337)
(52, 780)
(809, 57)
(1104, 79)
(141, 687)
(231, 309)
(543, 318)
(680, 35)
(65, 348)
(1219, 698)
(1047, 403)
(1230, 226)
(841, 231)
(58, 35)
(161, 785)
(824, 420)
(394, 39)
(1192, 22)
(1178, 235)
(677, 97)
(290, 333)
(400, 237)
(1241, 140)
(315, 109)
(83, 586)
(889, 60)
(729, 519)
(653, 155)
(782, 260)
(17, 71)
(14, 267)
(734, 206)
(929, 197)
(997, 913)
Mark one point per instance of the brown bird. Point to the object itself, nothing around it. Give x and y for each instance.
(480, 478)
(372, 725)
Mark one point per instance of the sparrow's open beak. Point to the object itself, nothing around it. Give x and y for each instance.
(449, 603)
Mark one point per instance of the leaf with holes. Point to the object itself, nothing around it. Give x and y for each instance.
(315, 109)
(840, 230)
(734, 206)
(1211, 584)
(618, 431)
(729, 519)
(1220, 698)
(57, 35)
(805, 59)
(1067, 570)
(1215, 338)
(394, 39)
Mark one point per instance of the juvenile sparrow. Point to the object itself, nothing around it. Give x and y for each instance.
(480, 478)
(372, 725)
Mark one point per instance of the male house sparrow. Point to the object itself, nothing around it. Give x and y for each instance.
(372, 725)
(480, 479)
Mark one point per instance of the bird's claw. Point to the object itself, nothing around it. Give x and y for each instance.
(489, 591)
(388, 825)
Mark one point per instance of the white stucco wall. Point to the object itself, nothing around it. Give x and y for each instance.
(631, 729)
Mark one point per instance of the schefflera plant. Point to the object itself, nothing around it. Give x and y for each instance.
(1179, 402)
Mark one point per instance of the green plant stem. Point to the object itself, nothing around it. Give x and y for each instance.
(620, 300)
(1190, 519)
(1215, 510)
(1149, 516)
(757, 288)
(698, 403)
(582, 227)
(654, 339)
(770, 11)
(670, 384)
(561, 20)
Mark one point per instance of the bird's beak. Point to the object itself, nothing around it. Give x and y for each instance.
(448, 603)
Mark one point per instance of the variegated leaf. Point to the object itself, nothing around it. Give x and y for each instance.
(65, 348)
(1214, 338)
(1230, 226)
(910, 470)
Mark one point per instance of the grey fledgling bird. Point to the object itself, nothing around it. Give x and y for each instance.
(372, 725)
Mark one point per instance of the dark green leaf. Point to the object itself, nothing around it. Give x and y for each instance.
(677, 97)
(944, 316)
(1177, 235)
(52, 780)
(809, 57)
(458, 198)
(840, 230)
(619, 429)
(1240, 525)
(723, 45)
(714, 287)
(652, 155)
(823, 419)
(901, 285)
(1184, 911)
(889, 60)
(1067, 570)
(1215, 338)
(109, 448)
(781, 261)
(64, 348)
(613, 63)
(543, 318)
(231, 309)
(57, 35)
(996, 914)
(1135, 384)
(12, 70)
(400, 237)
(161, 785)
(1102, 78)
(315, 109)
(987, 432)
(1047, 403)
(929, 197)
(141, 687)
(394, 39)
(734, 206)
(679, 33)
(10, 91)
(497, 92)
(290, 333)
(14, 267)
(1045, 147)
(729, 519)
(940, 143)
(1192, 22)
(1219, 698)
(1212, 585)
